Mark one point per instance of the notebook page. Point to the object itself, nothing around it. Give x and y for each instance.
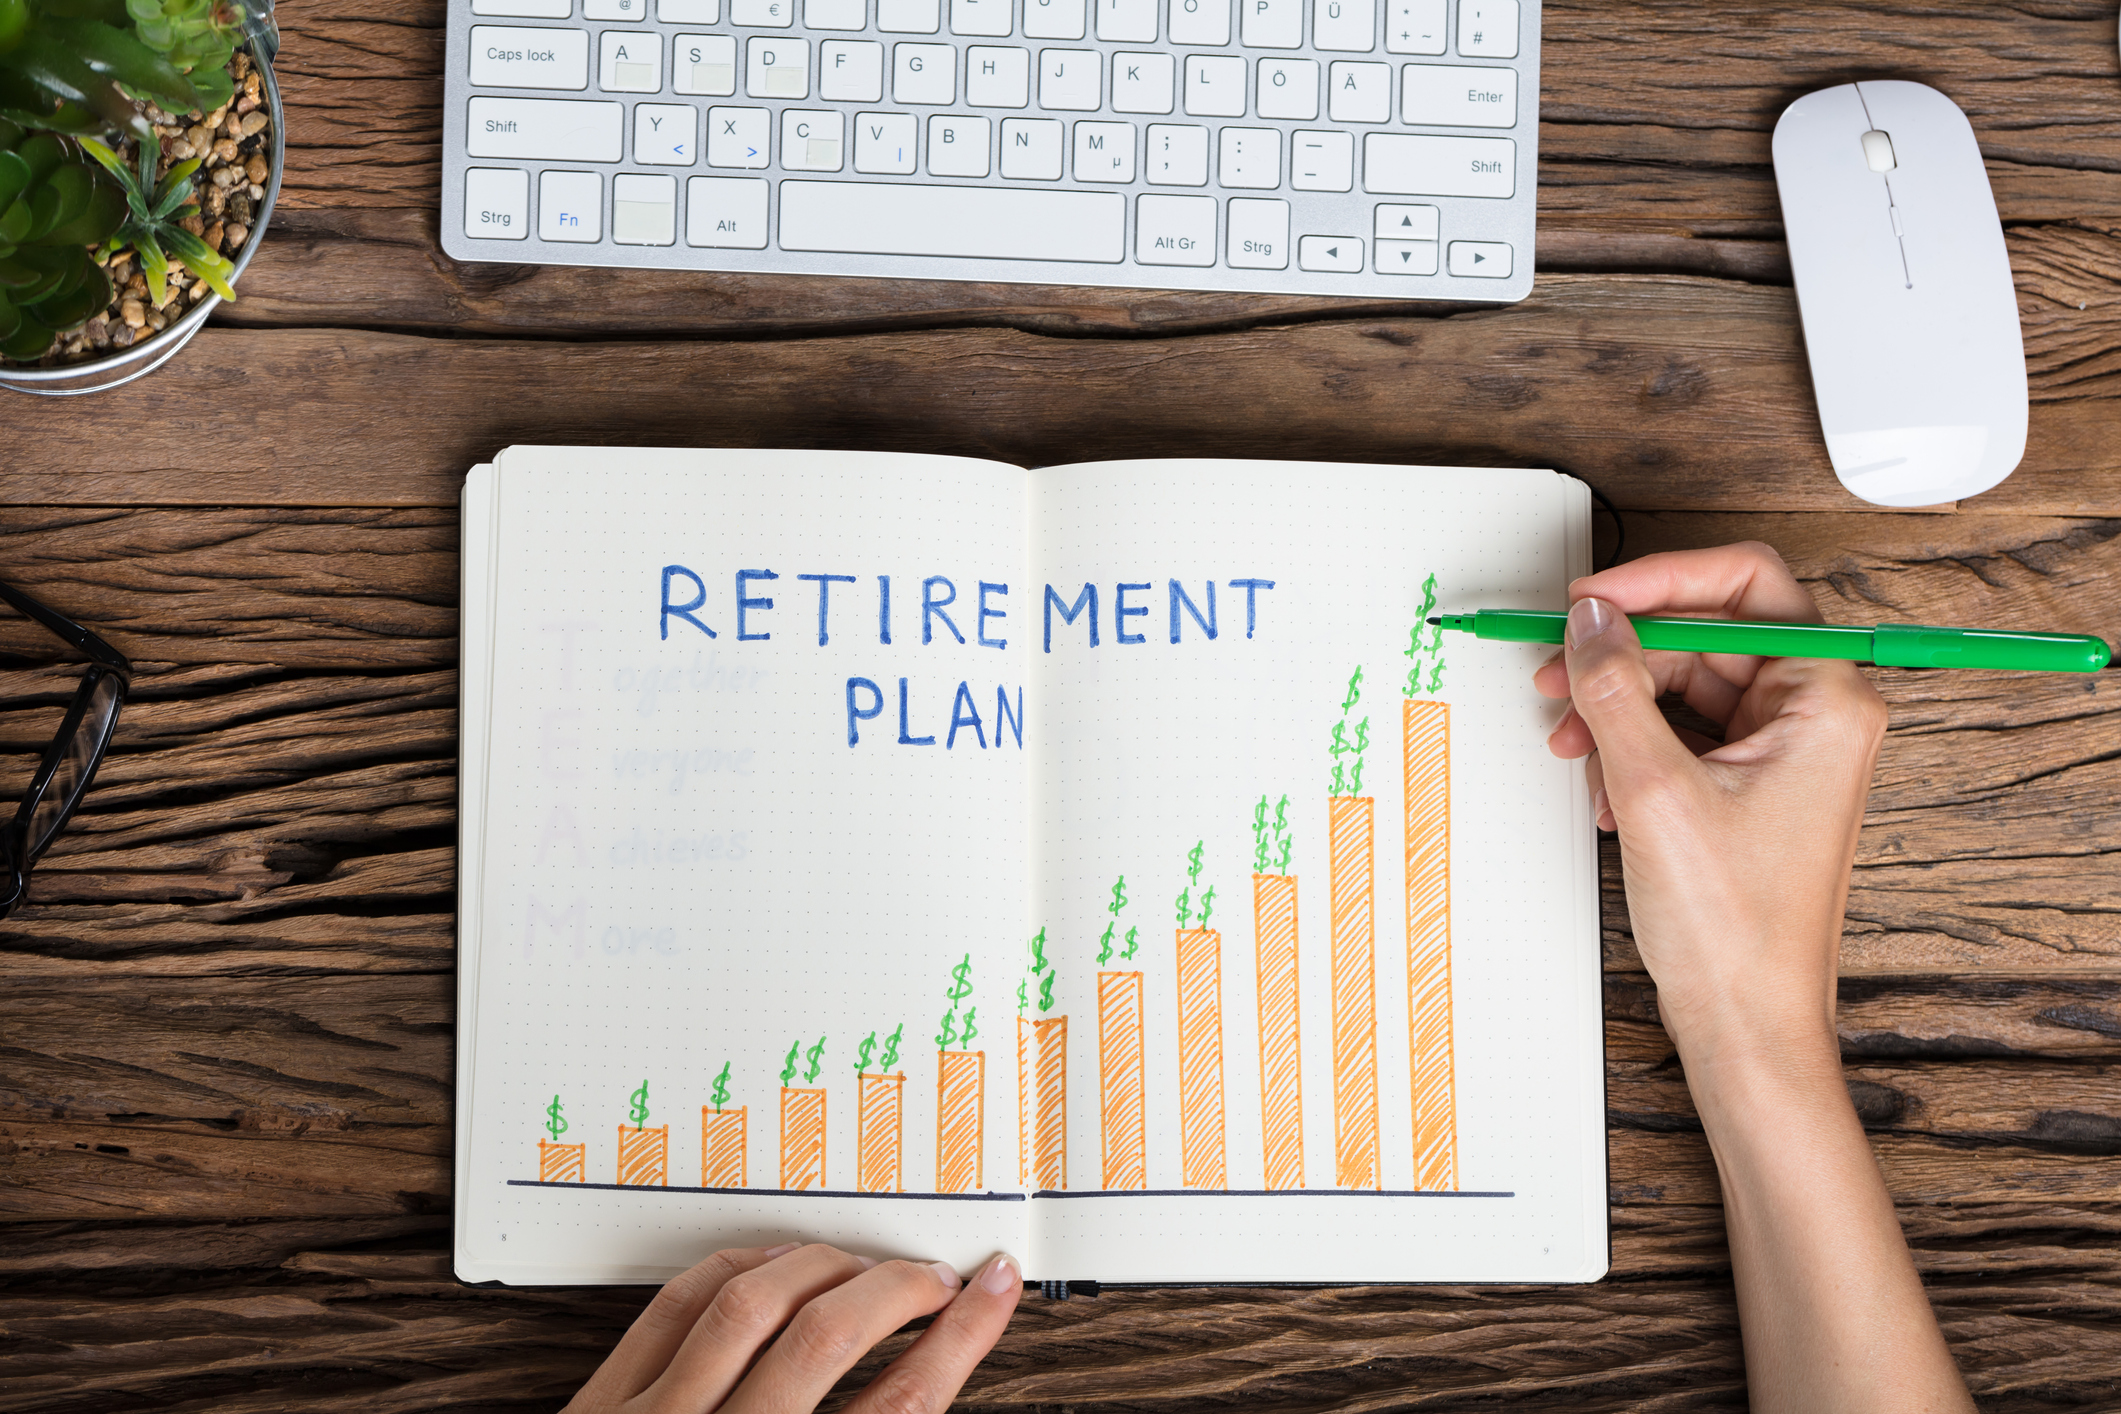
(1393, 987)
(727, 977)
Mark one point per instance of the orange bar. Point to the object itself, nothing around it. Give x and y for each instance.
(1049, 1133)
(1024, 1108)
(960, 1121)
(1427, 736)
(562, 1163)
(1281, 1085)
(644, 1156)
(880, 1132)
(1119, 1074)
(1200, 1058)
(802, 1138)
(725, 1159)
(1351, 860)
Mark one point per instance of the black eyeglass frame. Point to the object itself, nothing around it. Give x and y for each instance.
(18, 853)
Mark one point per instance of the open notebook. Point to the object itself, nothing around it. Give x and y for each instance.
(1105, 864)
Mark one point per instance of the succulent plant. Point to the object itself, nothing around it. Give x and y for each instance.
(55, 204)
(197, 37)
(62, 64)
(151, 213)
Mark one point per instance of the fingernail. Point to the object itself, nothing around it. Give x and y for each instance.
(867, 1262)
(781, 1251)
(1587, 619)
(946, 1274)
(1001, 1274)
(1598, 804)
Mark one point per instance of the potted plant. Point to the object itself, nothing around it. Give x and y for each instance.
(141, 147)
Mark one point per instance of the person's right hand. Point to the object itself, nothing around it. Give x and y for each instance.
(1736, 854)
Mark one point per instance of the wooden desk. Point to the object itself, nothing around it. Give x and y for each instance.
(226, 1019)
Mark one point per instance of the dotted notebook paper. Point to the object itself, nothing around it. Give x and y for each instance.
(1105, 864)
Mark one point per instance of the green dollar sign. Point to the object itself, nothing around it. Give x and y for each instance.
(816, 1057)
(1038, 952)
(788, 1068)
(1355, 780)
(1104, 944)
(638, 1111)
(1281, 816)
(1023, 997)
(1119, 896)
(861, 1053)
(1428, 599)
(1340, 739)
(721, 1088)
(1185, 906)
(1354, 689)
(1362, 736)
(1207, 907)
(949, 1031)
(1128, 955)
(1045, 991)
(961, 981)
(1413, 687)
(1193, 862)
(1259, 836)
(1339, 785)
(1288, 847)
(1436, 680)
(1413, 648)
(971, 1030)
(555, 1122)
(890, 1057)
(1436, 643)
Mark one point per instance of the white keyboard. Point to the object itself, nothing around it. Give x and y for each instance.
(1351, 147)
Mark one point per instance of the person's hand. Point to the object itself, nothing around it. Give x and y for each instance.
(1736, 854)
(707, 1341)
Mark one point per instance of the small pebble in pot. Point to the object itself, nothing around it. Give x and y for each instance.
(200, 137)
(239, 207)
(225, 150)
(133, 313)
(212, 235)
(257, 193)
(254, 122)
(225, 177)
(181, 149)
(257, 170)
(122, 337)
(237, 234)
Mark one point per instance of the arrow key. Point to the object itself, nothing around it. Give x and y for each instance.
(1340, 254)
(1399, 222)
(1484, 260)
(1406, 257)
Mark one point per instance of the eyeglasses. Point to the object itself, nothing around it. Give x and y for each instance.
(69, 763)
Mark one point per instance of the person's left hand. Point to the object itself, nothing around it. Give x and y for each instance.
(773, 1329)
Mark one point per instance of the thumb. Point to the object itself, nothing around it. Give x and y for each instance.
(1613, 690)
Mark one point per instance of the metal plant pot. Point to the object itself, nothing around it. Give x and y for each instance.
(124, 365)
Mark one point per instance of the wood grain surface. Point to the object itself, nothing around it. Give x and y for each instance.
(225, 1029)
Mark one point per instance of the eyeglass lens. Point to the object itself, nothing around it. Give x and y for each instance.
(71, 776)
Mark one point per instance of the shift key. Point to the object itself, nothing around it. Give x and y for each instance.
(553, 129)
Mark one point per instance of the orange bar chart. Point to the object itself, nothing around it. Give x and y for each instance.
(1119, 1074)
(1200, 1059)
(802, 1138)
(1024, 1107)
(724, 1147)
(960, 1121)
(562, 1163)
(644, 1156)
(1281, 1087)
(880, 1133)
(1049, 1128)
(1426, 733)
(1351, 862)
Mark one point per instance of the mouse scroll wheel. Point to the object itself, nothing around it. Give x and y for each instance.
(1878, 151)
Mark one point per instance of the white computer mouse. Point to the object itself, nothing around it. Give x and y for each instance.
(1910, 317)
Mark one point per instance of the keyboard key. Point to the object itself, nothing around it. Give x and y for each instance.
(997, 78)
(1486, 260)
(571, 207)
(505, 57)
(850, 70)
(1414, 26)
(883, 143)
(1288, 88)
(1174, 230)
(1406, 257)
(1272, 24)
(960, 147)
(550, 129)
(1259, 234)
(497, 204)
(909, 16)
(1142, 83)
(1406, 223)
(689, 12)
(1341, 255)
(1321, 160)
(630, 62)
(1360, 93)
(982, 17)
(1053, 19)
(1250, 157)
(1178, 155)
(923, 73)
(834, 14)
(762, 14)
(998, 223)
(737, 137)
(1487, 29)
(726, 211)
(1205, 22)
(811, 140)
(1215, 86)
(1071, 79)
(626, 11)
(1436, 95)
(666, 134)
(1128, 21)
(525, 9)
(1344, 25)
(777, 68)
(1031, 149)
(703, 63)
(1104, 152)
(1439, 166)
(644, 210)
